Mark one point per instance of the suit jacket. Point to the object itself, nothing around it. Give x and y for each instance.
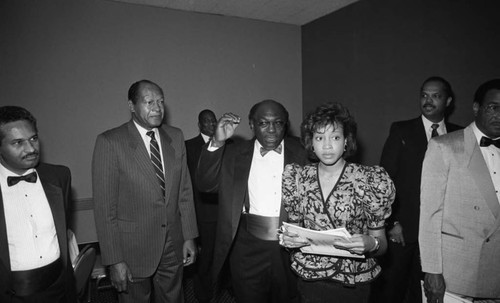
(132, 216)
(205, 203)
(460, 216)
(226, 171)
(402, 157)
(56, 183)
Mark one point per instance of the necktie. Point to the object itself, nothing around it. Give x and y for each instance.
(154, 150)
(264, 151)
(485, 141)
(434, 132)
(31, 178)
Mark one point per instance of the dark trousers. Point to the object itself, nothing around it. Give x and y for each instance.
(260, 271)
(328, 291)
(165, 286)
(401, 275)
(203, 281)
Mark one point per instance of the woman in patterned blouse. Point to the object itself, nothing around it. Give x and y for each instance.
(334, 193)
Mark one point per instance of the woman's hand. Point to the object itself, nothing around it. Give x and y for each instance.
(358, 244)
(291, 240)
(361, 244)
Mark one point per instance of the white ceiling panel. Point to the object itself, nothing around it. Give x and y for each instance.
(298, 12)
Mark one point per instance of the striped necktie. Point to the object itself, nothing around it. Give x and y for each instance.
(154, 150)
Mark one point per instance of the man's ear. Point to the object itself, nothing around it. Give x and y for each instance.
(131, 106)
(448, 101)
(475, 108)
(250, 123)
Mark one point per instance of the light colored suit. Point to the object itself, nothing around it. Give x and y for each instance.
(460, 216)
(132, 216)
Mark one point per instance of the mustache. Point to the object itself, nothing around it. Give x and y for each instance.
(428, 104)
(35, 153)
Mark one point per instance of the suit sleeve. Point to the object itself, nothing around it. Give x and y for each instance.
(390, 161)
(433, 187)
(186, 202)
(105, 186)
(208, 171)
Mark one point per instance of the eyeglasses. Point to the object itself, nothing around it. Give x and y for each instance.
(492, 109)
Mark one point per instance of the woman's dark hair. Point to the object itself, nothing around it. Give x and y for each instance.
(329, 114)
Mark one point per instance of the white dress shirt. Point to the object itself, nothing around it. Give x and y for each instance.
(31, 232)
(205, 137)
(264, 182)
(491, 155)
(147, 141)
(441, 130)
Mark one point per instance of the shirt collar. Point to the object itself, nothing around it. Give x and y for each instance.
(428, 123)
(4, 173)
(143, 131)
(205, 137)
(478, 133)
(257, 146)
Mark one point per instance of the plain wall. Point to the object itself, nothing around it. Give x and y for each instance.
(71, 62)
(373, 56)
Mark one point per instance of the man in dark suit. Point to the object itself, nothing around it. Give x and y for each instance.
(247, 176)
(206, 210)
(402, 157)
(143, 201)
(34, 257)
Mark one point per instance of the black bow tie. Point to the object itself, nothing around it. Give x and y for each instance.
(485, 141)
(28, 178)
(264, 151)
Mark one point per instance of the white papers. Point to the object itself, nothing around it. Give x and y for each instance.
(322, 241)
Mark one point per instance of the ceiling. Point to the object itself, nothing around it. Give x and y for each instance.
(297, 12)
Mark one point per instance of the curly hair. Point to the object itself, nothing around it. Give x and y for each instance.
(329, 114)
(15, 113)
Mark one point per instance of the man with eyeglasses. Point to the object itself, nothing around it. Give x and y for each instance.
(247, 176)
(460, 211)
(143, 202)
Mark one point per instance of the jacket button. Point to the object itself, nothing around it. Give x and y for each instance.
(487, 240)
(476, 207)
(163, 225)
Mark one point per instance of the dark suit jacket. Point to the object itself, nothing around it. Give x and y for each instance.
(56, 182)
(132, 216)
(402, 157)
(226, 171)
(205, 203)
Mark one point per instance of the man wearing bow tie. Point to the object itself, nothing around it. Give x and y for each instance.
(34, 258)
(459, 232)
(247, 176)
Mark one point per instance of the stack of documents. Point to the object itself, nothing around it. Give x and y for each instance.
(322, 241)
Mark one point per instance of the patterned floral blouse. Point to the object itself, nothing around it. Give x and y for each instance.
(360, 200)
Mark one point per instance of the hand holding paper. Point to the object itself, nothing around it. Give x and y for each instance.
(321, 242)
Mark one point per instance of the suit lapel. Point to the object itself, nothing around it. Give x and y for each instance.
(55, 198)
(4, 247)
(168, 154)
(480, 174)
(140, 155)
(243, 162)
(420, 136)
